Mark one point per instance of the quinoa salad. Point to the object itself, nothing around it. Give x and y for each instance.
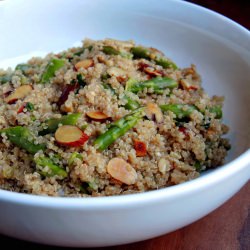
(107, 118)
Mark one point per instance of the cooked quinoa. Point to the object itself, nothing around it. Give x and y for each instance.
(108, 118)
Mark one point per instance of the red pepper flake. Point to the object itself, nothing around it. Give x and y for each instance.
(7, 93)
(66, 91)
(183, 130)
(140, 148)
(192, 88)
(120, 79)
(20, 110)
(142, 66)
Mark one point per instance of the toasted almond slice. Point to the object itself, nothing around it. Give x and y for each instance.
(153, 112)
(122, 171)
(115, 71)
(18, 93)
(156, 51)
(153, 72)
(85, 64)
(187, 85)
(97, 115)
(140, 148)
(69, 135)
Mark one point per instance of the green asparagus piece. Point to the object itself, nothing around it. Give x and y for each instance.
(131, 104)
(52, 124)
(118, 129)
(180, 110)
(54, 65)
(22, 137)
(54, 169)
(165, 63)
(108, 50)
(158, 84)
(126, 54)
(78, 53)
(73, 157)
(23, 67)
(5, 78)
(140, 52)
(217, 111)
(184, 110)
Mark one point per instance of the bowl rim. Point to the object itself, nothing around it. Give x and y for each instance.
(131, 200)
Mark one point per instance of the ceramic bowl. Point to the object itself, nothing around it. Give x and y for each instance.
(186, 33)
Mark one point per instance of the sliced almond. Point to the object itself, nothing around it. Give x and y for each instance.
(18, 93)
(69, 135)
(156, 51)
(153, 72)
(85, 64)
(122, 171)
(187, 85)
(153, 112)
(97, 115)
(115, 71)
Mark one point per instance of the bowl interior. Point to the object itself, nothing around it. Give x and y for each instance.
(217, 46)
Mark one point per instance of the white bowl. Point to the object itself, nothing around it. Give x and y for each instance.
(186, 33)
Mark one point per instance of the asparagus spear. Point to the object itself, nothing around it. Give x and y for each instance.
(180, 110)
(165, 63)
(23, 67)
(5, 78)
(43, 161)
(140, 52)
(158, 84)
(22, 137)
(52, 124)
(217, 111)
(118, 129)
(108, 50)
(74, 155)
(54, 65)
(184, 110)
(131, 104)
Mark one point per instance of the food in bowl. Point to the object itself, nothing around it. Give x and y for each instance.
(108, 118)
